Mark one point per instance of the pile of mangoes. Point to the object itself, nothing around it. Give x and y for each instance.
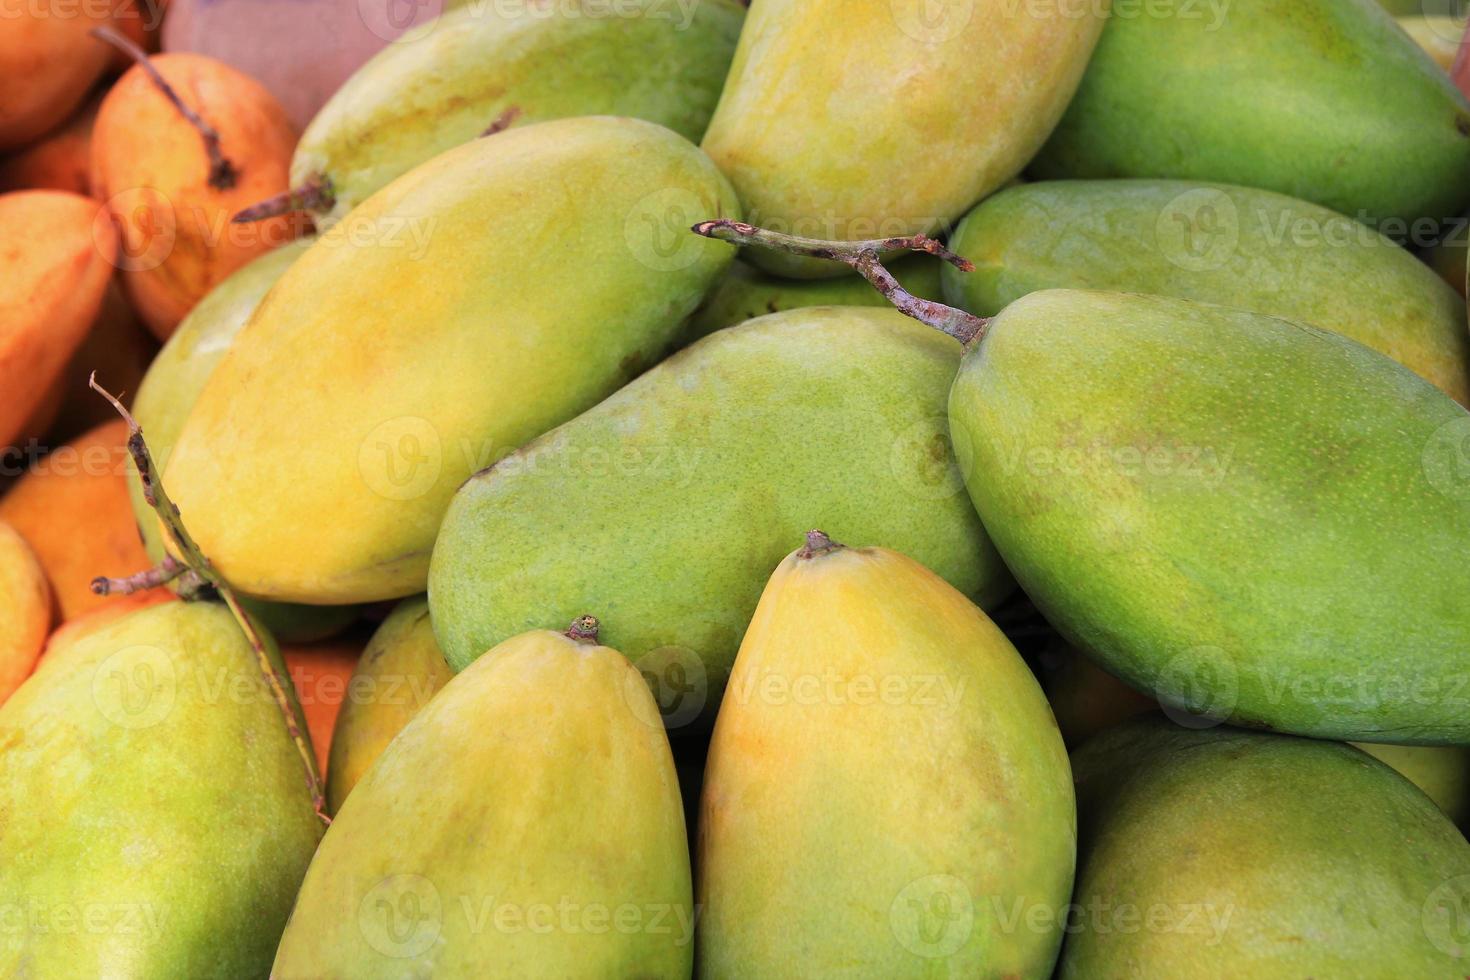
(427, 548)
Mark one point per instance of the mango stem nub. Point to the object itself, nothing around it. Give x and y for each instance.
(865, 258)
(818, 544)
(583, 630)
(315, 194)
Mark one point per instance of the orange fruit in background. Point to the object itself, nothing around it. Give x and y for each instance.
(59, 161)
(72, 508)
(48, 61)
(320, 673)
(25, 610)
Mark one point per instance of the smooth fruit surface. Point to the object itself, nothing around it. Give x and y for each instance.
(25, 610)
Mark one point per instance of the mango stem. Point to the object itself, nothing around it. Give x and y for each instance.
(502, 122)
(583, 629)
(150, 578)
(196, 564)
(222, 173)
(314, 195)
(865, 258)
(818, 544)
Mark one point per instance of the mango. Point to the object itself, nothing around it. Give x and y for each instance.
(399, 671)
(97, 617)
(440, 352)
(1318, 99)
(59, 161)
(1193, 495)
(49, 61)
(526, 823)
(1441, 771)
(746, 293)
(154, 818)
(1228, 853)
(1447, 257)
(696, 477)
(58, 260)
(118, 350)
(445, 83)
(1235, 246)
(25, 610)
(169, 202)
(894, 117)
(71, 506)
(885, 777)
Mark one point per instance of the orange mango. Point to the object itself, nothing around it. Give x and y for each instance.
(48, 62)
(59, 161)
(25, 610)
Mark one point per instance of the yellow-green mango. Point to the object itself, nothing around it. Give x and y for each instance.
(666, 503)
(1224, 853)
(399, 671)
(1441, 771)
(885, 789)
(1324, 100)
(1246, 517)
(859, 119)
(154, 813)
(168, 393)
(526, 823)
(1236, 246)
(446, 82)
(746, 293)
(430, 334)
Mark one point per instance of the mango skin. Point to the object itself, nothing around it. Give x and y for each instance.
(890, 122)
(1243, 516)
(442, 355)
(1441, 771)
(827, 819)
(168, 393)
(444, 84)
(1319, 99)
(1259, 855)
(746, 293)
(536, 788)
(146, 775)
(1236, 246)
(398, 672)
(664, 504)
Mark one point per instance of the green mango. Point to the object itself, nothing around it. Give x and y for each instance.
(526, 823)
(863, 119)
(1242, 516)
(1441, 771)
(746, 293)
(1235, 246)
(665, 504)
(168, 393)
(885, 786)
(431, 333)
(447, 82)
(1320, 99)
(399, 671)
(1223, 853)
(154, 815)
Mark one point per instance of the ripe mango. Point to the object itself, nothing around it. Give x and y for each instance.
(885, 782)
(1205, 854)
(49, 61)
(58, 260)
(433, 356)
(746, 293)
(1319, 99)
(445, 83)
(526, 823)
(150, 165)
(1236, 246)
(25, 610)
(399, 671)
(699, 475)
(154, 818)
(59, 161)
(860, 119)
(1247, 517)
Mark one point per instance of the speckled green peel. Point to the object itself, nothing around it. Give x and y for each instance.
(1245, 516)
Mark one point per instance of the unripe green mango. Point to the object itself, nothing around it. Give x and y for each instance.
(885, 786)
(860, 119)
(399, 671)
(526, 823)
(1320, 99)
(154, 813)
(431, 333)
(1243, 516)
(1223, 853)
(1236, 246)
(746, 293)
(447, 82)
(667, 501)
(168, 393)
